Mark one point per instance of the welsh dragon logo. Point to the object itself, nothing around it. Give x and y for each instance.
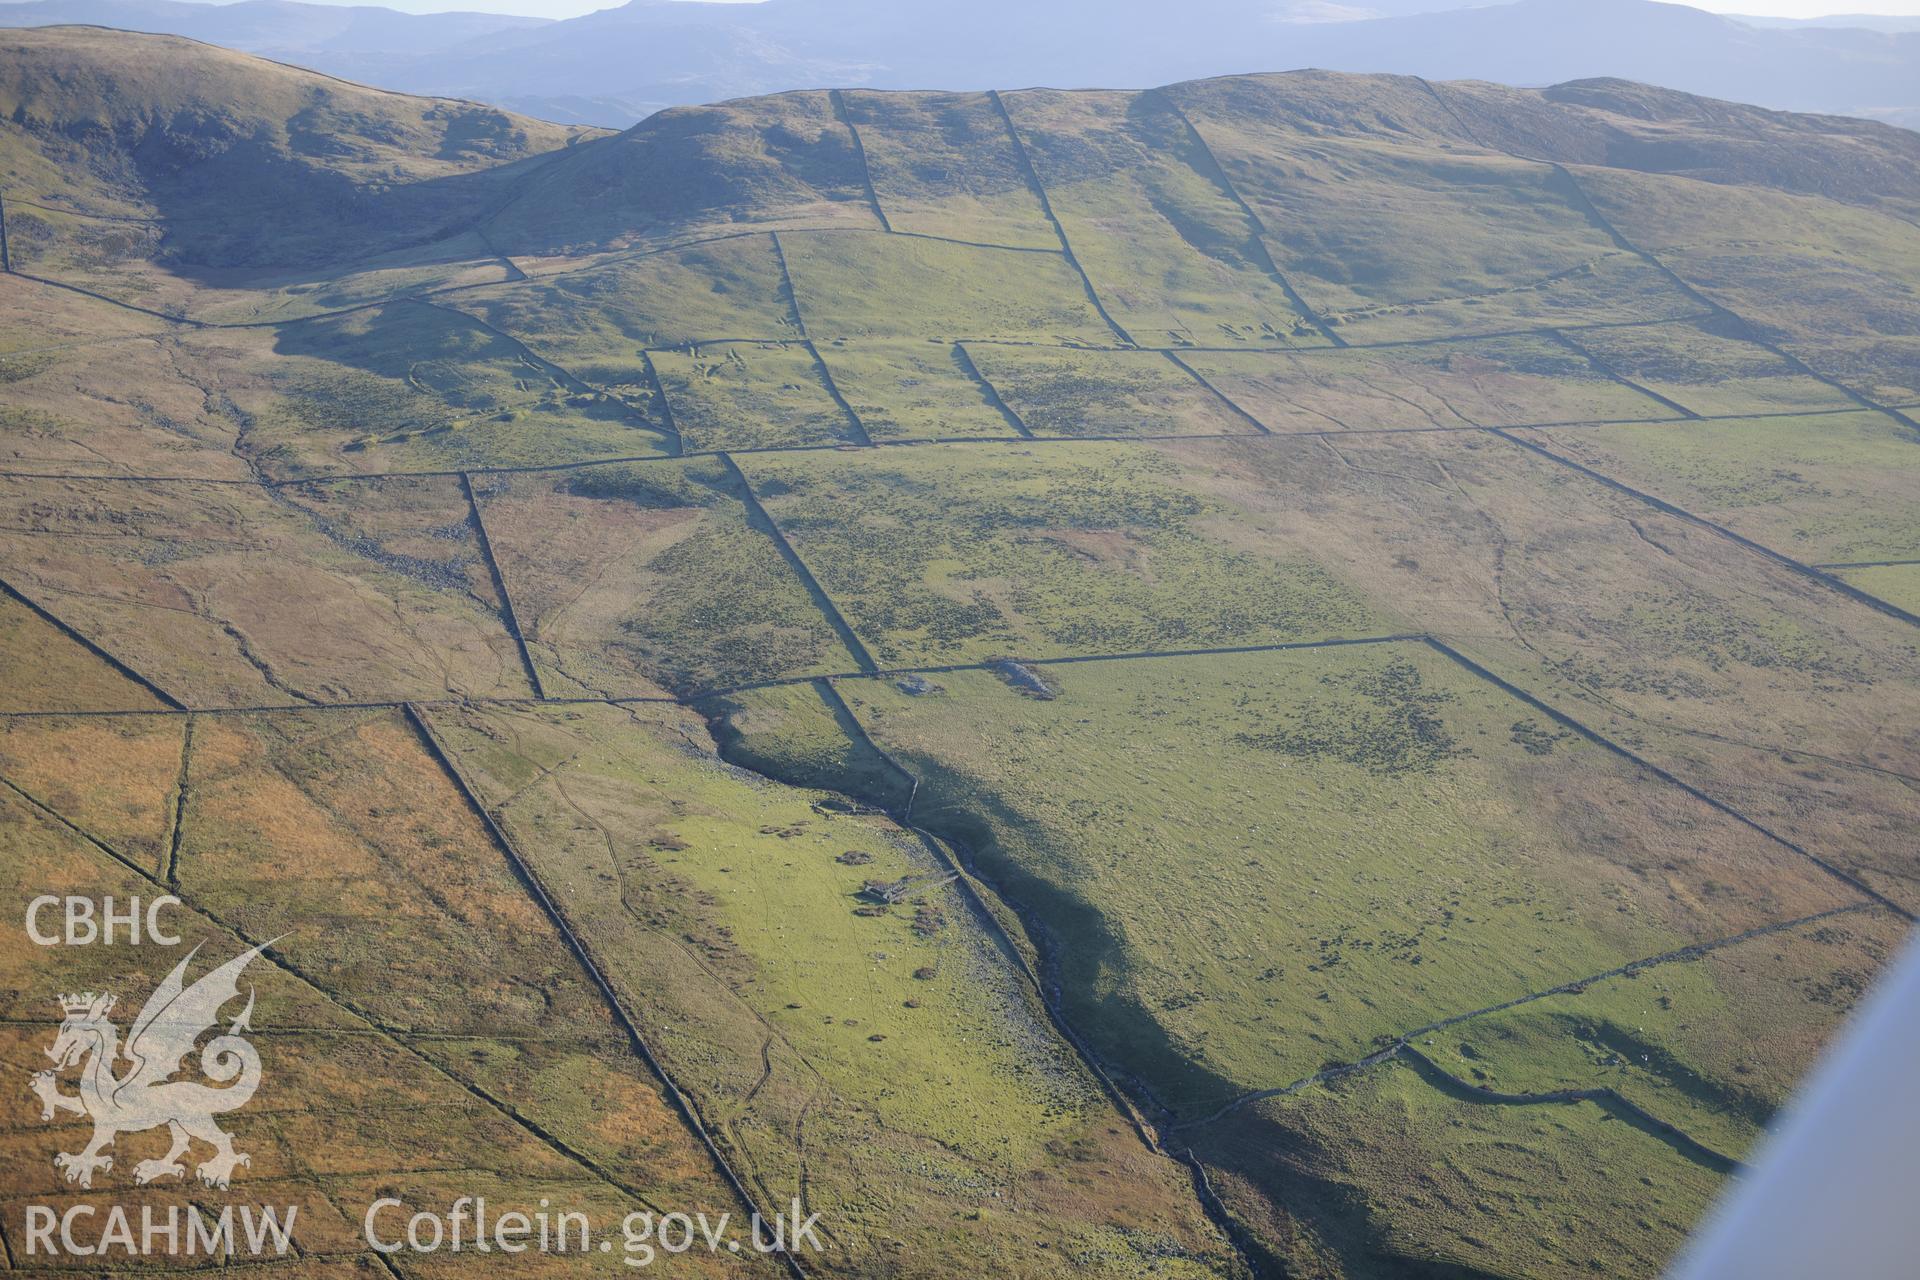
(147, 1096)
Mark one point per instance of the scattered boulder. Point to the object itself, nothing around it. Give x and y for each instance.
(1024, 679)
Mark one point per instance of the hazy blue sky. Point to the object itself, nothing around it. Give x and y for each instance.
(571, 8)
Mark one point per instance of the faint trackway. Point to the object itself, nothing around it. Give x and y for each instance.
(1399, 1046)
(688, 1110)
(1400, 1043)
(1577, 196)
(1866, 564)
(772, 1035)
(1047, 992)
(1872, 896)
(1246, 1244)
(867, 666)
(397, 1037)
(694, 697)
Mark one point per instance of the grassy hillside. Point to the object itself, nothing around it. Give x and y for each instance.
(134, 145)
(1298, 675)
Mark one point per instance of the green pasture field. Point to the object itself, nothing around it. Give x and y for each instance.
(1105, 393)
(1389, 1170)
(943, 164)
(1423, 817)
(1897, 584)
(1169, 250)
(851, 285)
(1832, 283)
(1714, 1047)
(1830, 489)
(1608, 290)
(236, 595)
(1707, 366)
(915, 390)
(1484, 382)
(959, 553)
(1399, 228)
(423, 388)
(1759, 683)
(595, 320)
(750, 395)
(631, 579)
(890, 1066)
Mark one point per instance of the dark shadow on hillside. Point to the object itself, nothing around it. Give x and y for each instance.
(1305, 1210)
(1073, 937)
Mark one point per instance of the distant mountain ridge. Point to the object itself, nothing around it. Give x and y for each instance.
(273, 24)
(234, 158)
(616, 66)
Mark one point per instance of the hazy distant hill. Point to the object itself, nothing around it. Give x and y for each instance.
(619, 64)
(277, 27)
(238, 159)
(1870, 21)
(1811, 68)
